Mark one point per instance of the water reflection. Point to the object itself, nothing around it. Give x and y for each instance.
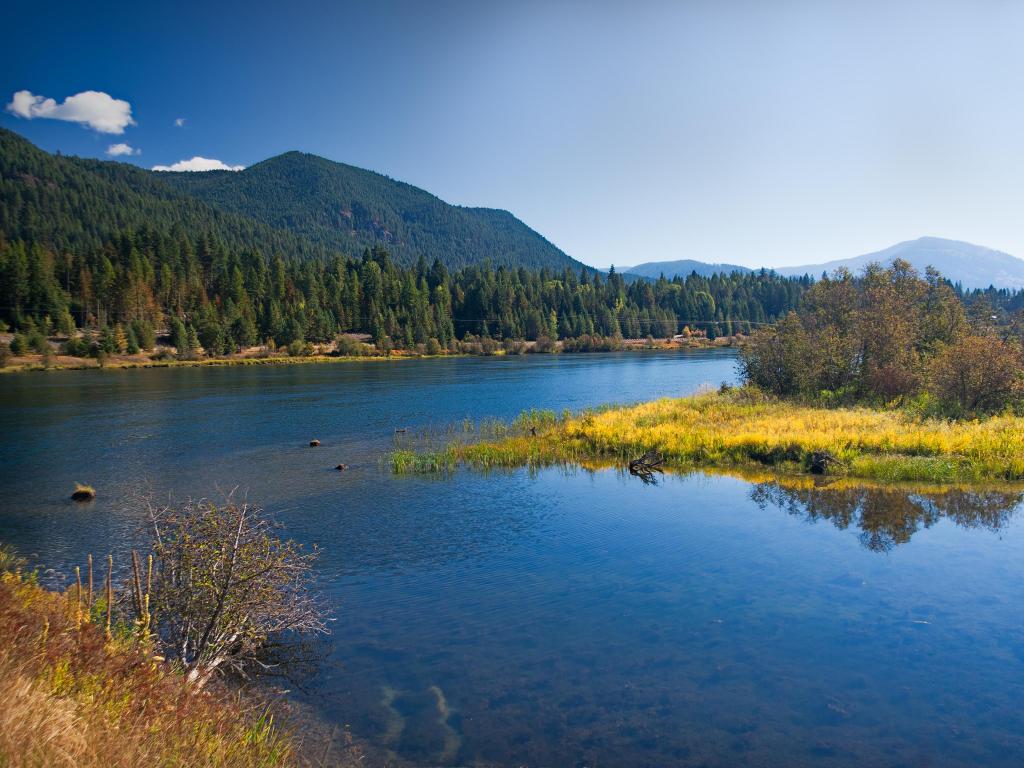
(888, 517)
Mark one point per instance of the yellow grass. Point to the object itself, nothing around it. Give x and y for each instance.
(73, 698)
(743, 429)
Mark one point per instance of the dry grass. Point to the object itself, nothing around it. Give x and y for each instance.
(744, 429)
(73, 699)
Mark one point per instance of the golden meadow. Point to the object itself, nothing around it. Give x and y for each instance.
(742, 429)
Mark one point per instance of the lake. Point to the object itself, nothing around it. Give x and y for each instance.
(558, 617)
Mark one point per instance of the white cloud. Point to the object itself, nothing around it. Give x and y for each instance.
(122, 150)
(199, 164)
(98, 110)
(179, 122)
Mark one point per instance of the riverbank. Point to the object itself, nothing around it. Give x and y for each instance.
(75, 698)
(744, 429)
(165, 357)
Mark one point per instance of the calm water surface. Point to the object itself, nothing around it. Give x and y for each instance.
(560, 618)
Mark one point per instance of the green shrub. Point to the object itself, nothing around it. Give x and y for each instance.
(76, 347)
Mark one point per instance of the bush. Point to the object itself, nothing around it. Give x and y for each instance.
(228, 594)
(38, 343)
(19, 345)
(544, 344)
(978, 375)
(76, 347)
(592, 343)
(300, 348)
(5, 355)
(433, 347)
(346, 346)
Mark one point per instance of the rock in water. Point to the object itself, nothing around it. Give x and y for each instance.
(83, 493)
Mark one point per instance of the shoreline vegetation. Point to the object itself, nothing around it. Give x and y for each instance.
(157, 666)
(77, 696)
(741, 429)
(349, 349)
(885, 377)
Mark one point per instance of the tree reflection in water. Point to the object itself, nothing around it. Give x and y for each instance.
(888, 517)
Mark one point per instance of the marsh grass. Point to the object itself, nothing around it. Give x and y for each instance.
(743, 428)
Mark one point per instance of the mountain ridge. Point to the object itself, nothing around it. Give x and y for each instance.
(971, 265)
(296, 204)
(682, 267)
(343, 207)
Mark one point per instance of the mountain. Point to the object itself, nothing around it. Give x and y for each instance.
(72, 203)
(971, 265)
(344, 208)
(682, 268)
(296, 204)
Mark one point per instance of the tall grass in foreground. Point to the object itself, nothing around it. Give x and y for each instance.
(742, 428)
(73, 698)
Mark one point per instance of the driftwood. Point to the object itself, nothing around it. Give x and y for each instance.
(820, 461)
(645, 466)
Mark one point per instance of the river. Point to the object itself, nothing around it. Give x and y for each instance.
(559, 617)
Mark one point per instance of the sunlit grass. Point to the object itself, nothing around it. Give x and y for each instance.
(745, 429)
(72, 697)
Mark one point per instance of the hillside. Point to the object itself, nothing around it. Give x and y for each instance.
(70, 203)
(344, 208)
(682, 268)
(973, 266)
(298, 205)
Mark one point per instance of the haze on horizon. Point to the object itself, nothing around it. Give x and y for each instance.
(751, 133)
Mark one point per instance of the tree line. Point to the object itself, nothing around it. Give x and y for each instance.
(205, 293)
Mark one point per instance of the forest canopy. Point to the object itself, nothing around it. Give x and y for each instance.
(233, 298)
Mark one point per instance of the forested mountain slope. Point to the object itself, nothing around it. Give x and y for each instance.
(347, 209)
(118, 250)
(297, 205)
(70, 203)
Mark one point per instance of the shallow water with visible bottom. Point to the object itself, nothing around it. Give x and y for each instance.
(559, 617)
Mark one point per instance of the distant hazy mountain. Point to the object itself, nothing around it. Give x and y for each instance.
(683, 267)
(971, 265)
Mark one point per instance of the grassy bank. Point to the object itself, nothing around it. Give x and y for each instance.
(79, 364)
(327, 354)
(74, 698)
(740, 428)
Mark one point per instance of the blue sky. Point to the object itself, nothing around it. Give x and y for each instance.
(760, 133)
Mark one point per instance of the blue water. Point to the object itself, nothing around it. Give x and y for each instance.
(559, 617)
